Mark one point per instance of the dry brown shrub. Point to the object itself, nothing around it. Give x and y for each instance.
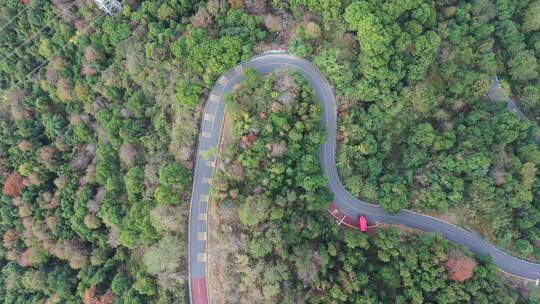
(53, 299)
(90, 54)
(50, 75)
(151, 174)
(24, 146)
(57, 63)
(61, 145)
(349, 40)
(237, 4)
(40, 231)
(168, 218)
(63, 89)
(27, 222)
(215, 7)
(47, 197)
(69, 15)
(24, 211)
(93, 206)
(237, 171)
(60, 182)
(74, 252)
(133, 3)
(110, 76)
(248, 140)
(273, 23)
(17, 109)
(257, 190)
(256, 6)
(49, 244)
(54, 202)
(202, 19)
(88, 70)
(52, 221)
(85, 154)
(285, 82)
(12, 255)
(82, 91)
(33, 179)
(185, 153)
(279, 149)
(59, 250)
(233, 193)
(125, 113)
(29, 257)
(100, 195)
(46, 155)
(128, 154)
(91, 221)
(114, 236)
(89, 175)
(309, 273)
(312, 29)
(77, 260)
(498, 175)
(27, 235)
(170, 280)
(17, 201)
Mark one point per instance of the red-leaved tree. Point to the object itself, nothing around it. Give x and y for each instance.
(10, 238)
(14, 184)
(460, 267)
(90, 297)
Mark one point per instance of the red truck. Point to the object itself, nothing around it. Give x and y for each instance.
(362, 223)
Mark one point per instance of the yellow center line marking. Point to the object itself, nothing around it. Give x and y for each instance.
(239, 69)
(222, 80)
(201, 257)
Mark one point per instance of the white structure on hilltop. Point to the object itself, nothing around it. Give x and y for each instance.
(111, 7)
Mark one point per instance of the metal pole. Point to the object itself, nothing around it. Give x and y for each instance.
(111, 7)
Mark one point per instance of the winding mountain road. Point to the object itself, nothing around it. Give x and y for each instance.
(343, 204)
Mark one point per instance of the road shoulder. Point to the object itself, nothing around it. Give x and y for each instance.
(216, 258)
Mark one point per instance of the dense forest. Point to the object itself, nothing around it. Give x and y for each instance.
(275, 243)
(99, 118)
(417, 129)
(95, 151)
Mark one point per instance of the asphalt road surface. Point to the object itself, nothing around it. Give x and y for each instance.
(343, 203)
